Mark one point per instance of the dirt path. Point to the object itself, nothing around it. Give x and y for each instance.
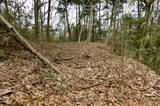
(24, 80)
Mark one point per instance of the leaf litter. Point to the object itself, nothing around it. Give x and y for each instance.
(24, 80)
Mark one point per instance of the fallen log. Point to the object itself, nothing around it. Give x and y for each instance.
(22, 41)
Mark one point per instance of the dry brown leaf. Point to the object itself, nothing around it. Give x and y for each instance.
(5, 92)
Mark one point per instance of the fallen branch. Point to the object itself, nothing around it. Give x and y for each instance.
(18, 37)
(22, 41)
(77, 86)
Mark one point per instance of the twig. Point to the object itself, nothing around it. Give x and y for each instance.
(78, 86)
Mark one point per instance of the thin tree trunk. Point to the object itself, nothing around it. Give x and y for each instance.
(148, 11)
(68, 25)
(139, 13)
(116, 4)
(65, 31)
(80, 23)
(42, 22)
(138, 8)
(112, 15)
(76, 23)
(112, 27)
(85, 27)
(48, 20)
(116, 15)
(90, 23)
(36, 14)
(80, 33)
(44, 15)
(99, 26)
(93, 29)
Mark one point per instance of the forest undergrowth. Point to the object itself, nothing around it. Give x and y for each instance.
(24, 80)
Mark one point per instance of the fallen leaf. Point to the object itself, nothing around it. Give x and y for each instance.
(5, 92)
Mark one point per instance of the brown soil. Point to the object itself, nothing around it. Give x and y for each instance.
(24, 80)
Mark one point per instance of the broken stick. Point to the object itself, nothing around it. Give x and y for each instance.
(18, 37)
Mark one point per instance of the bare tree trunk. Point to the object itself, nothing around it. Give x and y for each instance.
(68, 25)
(90, 23)
(79, 23)
(112, 15)
(64, 31)
(48, 20)
(138, 8)
(112, 22)
(80, 33)
(139, 12)
(42, 22)
(36, 14)
(43, 19)
(93, 29)
(148, 10)
(76, 23)
(99, 26)
(86, 26)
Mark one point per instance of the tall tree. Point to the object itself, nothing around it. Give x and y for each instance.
(99, 25)
(90, 21)
(148, 9)
(42, 15)
(36, 17)
(67, 18)
(80, 23)
(138, 8)
(48, 19)
(113, 12)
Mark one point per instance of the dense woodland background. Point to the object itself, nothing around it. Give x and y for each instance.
(130, 27)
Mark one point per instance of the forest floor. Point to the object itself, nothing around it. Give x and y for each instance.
(25, 80)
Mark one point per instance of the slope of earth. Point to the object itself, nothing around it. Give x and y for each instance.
(116, 80)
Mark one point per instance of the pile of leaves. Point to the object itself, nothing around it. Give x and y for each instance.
(116, 80)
